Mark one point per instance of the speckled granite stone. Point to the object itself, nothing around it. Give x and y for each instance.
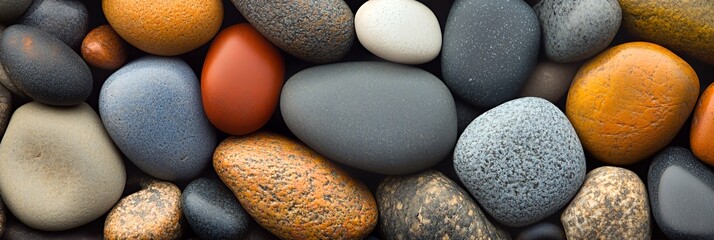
(67, 20)
(11, 9)
(212, 211)
(612, 204)
(542, 231)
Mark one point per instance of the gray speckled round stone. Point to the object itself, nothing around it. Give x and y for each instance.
(11, 9)
(314, 31)
(212, 211)
(381, 117)
(152, 109)
(489, 50)
(550, 80)
(575, 30)
(67, 20)
(522, 161)
(681, 191)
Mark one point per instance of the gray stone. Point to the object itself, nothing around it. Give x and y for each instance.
(381, 117)
(550, 80)
(11, 9)
(5, 79)
(67, 20)
(213, 211)
(522, 161)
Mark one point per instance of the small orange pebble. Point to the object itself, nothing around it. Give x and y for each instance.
(701, 136)
(103, 48)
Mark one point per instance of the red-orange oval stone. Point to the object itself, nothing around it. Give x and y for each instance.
(104, 48)
(241, 80)
(702, 131)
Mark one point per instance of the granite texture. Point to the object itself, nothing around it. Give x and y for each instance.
(104, 48)
(542, 231)
(550, 80)
(212, 211)
(11, 9)
(67, 20)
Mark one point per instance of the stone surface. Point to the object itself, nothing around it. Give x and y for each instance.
(542, 231)
(522, 161)
(49, 178)
(212, 211)
(5, 110)
(686, 26)
(402, 31)
(314, 31)
(612, 204)
(550, 80)
(67, 20)
(702, 130)
(630, 101)
(5, 79)
(380, 117)
(11, 9)
(104, 48)
(152, 109)
(443, 210)
(165, 28)
(465, 114)
(17, 230)
(490, 48)
(43, 67)
(575, 30)
(292, 191)
(681, 193)
(241, 94)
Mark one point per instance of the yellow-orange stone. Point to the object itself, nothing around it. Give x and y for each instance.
(701, 136)
(630, 101)
(167, 27)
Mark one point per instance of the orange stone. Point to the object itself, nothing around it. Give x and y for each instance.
(702, 131)
(103, 48)
(241, 80)
(630, 101)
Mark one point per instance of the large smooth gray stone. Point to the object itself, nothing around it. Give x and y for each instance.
(67, 20)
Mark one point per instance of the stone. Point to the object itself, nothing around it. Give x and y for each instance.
(11, 9)
(612, 204)
(686, 26)
(165, 28)
(292, 191)
(681, 194)
(630, 101)
(401, 31)
(104, 48)
(575, 30)
(542, 231)
(489, 50)
(67, 20)
(376, 116)
(212, 211)
(522, 161)
(241, 94)
(49, 179)
(314, 31)
(154, 212)
(5, 80)
(702, 130)
(152, 109)
(550, 80)
(429, 205)
(5, 111)
(43, 67)
(465, 114)
(17, 230)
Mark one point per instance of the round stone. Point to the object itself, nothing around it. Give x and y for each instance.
(104, 48)
(550, 80)
(212, 211)
(11, 9)
(702, 130)
(542, 231)
(5, 79)
(67, 20)
(522, 161)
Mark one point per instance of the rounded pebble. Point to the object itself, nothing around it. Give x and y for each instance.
(542, 231)
(212, 211)
(11, 9)
(67, 20)
(5, 79)
(550, 80)
(104, 48)
(702, 130)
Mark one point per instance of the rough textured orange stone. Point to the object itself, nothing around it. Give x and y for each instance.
(292, 191)
(104, 48)
(630, 101)
(701, 136)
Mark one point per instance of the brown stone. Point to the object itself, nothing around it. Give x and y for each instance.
(103, 48)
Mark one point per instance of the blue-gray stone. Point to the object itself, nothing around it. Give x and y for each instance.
(490, 48)
(11, 9)
(542, 231)
(67, 20)
(522, 161)
(212, 210)
(152, 109)
(681, 191)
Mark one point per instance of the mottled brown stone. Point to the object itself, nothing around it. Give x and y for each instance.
(104, 48)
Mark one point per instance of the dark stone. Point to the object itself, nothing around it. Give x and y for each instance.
(11, 9)
(212, 210)
(542, 231)
(465, 113)
(67, 20)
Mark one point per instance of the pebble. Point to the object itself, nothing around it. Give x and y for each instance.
(292, 191)
(165, 28)
(212, 211)
(241, 94)
(550, 80)
(376, 116)
(702, 130)
(313, 31)
(152, 109)
(5, 79)
(612, 204)
(11, 9)
(490, 48)
(681, 194)
(522, 161)
(542, 231)
(67, 20)
(630, 101)
(5, 109)
(575, 30)
(49, 178)
(104, 48)
(401, 31)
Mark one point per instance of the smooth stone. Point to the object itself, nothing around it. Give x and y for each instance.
(292, 191)
(630, 101)
(702, 128)
(401, 31)
(104, 48)
(612, 204)
(542, 231)
(575, 30)
(11, 9)
(49, 178)
(550, 80)
(5, 110)
(376, 116)
(241, 94)
(5, 79)
(681, 192)
(212, 211)
(522, 161)
(490, 48)
(43, 67)
(165, 28)
(154, 212)
(67, 20)
(314, 31)
(429, 205)
(465, 114)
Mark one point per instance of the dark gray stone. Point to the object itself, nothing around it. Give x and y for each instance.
(542, 231)
(11, 9)
(67, 20)
(522, 161)
(490, 48)
(381, 117)
(5, 79)
(212, 210)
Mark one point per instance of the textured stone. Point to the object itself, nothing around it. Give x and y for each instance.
(212, 211)
(702, 130)
(380, 117)
(5, 79)
(542, 231)
(550, 80)
(67, 20)
(104, 48)
(292, 191)
(522, 161)
(11, 9)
